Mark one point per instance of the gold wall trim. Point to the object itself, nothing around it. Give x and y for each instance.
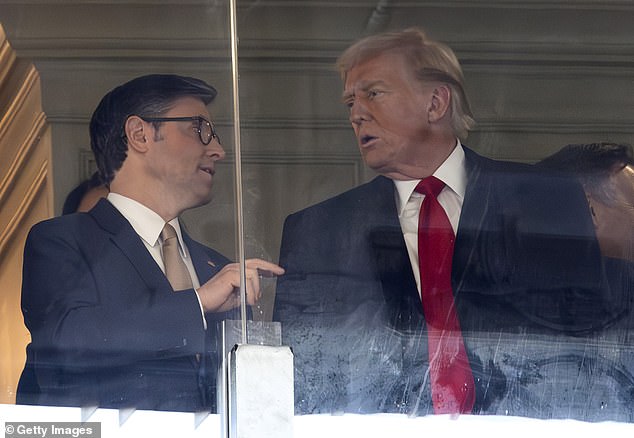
(30, 80)
(7, 59)
(38, 183)
(21, 158)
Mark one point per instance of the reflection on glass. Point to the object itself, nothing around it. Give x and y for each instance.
(520, 287)
(543, 306)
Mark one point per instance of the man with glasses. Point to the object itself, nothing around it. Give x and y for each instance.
(120, 301)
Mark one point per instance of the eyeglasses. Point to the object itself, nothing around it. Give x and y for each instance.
(206, 129)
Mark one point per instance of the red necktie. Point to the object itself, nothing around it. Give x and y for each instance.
(452, 385)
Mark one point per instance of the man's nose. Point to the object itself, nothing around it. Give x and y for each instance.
(215, 150)
(359, 113)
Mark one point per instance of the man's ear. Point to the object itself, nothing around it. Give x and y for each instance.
(592, 205)
(440, 101)
(136, 131)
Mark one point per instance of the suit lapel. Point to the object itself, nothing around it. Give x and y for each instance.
(205, 266)
(130, 244)
(478, 202)
(391, 258)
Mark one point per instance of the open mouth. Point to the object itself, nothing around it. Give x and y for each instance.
(365, 139)
(208, 170)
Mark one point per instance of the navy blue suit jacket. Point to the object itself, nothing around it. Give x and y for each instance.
(107, 329)
(526, 259)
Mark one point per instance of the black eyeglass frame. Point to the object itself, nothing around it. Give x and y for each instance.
(199, 119)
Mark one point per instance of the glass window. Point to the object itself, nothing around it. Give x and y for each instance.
(521, 306)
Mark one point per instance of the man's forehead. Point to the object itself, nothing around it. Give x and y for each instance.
(384, 68)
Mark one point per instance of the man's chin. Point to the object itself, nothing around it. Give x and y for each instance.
(201, 200)
(373, 163)
(377, 166)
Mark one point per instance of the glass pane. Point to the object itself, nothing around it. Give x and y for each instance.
(544, 336)
(106, 327)
(541, 270)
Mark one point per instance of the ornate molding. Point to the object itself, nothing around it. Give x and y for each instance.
(21, 158)
(36, 129)
(298, 54)
(245, 4)
(18, 101)
(579, 125)
(554, 127)
(7, 58)
(559, 30)
(38, 183)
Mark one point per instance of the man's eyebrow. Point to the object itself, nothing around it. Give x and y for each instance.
(363, 87)
(347, 95)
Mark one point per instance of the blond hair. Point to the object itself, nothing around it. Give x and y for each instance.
(431, 61)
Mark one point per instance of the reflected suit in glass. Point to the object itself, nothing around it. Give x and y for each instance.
(526, 262)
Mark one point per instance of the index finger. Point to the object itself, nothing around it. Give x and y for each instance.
(264, 268)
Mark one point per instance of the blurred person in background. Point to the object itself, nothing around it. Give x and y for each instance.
(85, 196)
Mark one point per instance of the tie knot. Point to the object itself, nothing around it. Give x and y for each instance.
(168, 232)
(430, 186)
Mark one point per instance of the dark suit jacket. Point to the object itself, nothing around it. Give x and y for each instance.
(107, 329)
(525, 259)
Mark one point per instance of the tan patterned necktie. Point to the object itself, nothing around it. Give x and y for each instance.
(175, 269)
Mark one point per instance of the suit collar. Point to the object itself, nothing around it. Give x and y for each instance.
(452, 172)
(477, 193)
(479, 190)
(108, 217)
(147, 223)
(124, 236)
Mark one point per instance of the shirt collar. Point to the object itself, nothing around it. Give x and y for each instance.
(452, 172)
(146, 222)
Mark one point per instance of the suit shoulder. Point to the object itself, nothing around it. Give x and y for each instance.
(524, 175)
(485, 164)
(72, 223)
(78, 231)
(361, 195)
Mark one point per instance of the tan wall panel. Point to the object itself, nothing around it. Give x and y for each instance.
(25, 198)
(13, 334)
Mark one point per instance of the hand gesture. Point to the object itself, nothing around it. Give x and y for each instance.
(222, 291)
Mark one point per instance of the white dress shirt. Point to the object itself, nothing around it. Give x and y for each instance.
(148, 225)
(454, 174)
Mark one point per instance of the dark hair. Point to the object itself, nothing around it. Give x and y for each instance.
(73, 199)
(592, 164)
(144, 96)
